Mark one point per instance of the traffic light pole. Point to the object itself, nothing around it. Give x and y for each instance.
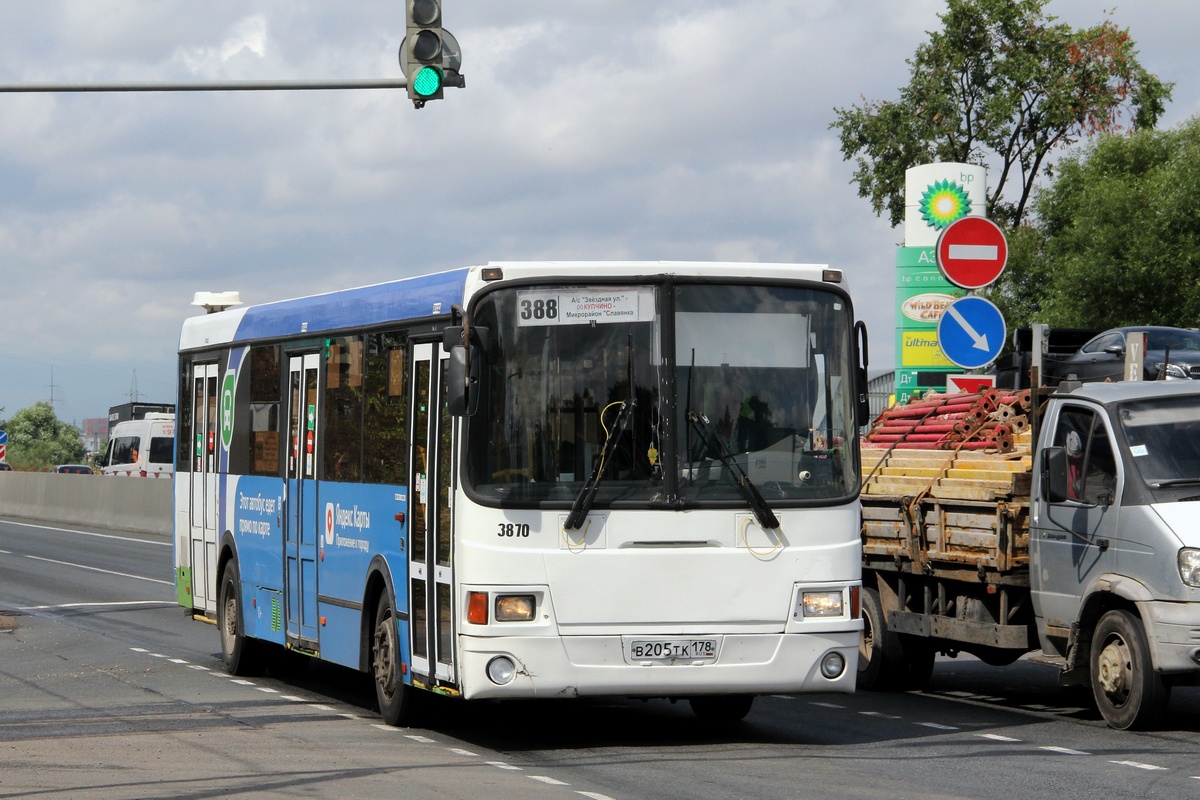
(209, 86)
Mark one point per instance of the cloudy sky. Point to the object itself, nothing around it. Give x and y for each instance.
(589, 129)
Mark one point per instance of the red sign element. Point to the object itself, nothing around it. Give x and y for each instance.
(969, 383)
(308, 442)
(972, 252)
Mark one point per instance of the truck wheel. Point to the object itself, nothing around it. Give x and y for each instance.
(721, 708)
(395, 698)
(878, 648)
(915, 665)
(1128, 692)
(242, 655)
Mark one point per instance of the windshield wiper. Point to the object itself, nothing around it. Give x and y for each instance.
(1175, 482)
(715, 441)
(587, 495)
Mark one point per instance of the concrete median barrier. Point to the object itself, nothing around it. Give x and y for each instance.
(102, 501)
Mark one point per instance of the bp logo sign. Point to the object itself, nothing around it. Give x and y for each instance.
(944, 202)
(228, 386)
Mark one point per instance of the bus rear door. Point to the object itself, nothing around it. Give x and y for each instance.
(203, 533)
(300, 536)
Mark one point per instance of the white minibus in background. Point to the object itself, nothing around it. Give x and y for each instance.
(141, 447)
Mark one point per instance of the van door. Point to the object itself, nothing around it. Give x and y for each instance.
(1073, 540)
(431, 580)
(204, 487)
(300, 521)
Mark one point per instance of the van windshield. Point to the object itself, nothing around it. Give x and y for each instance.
(1164, 440)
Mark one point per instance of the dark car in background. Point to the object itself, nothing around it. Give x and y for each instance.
(75, 469)
(1171, 354)
(5, 466)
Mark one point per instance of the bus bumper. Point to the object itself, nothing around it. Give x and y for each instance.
(581, 666)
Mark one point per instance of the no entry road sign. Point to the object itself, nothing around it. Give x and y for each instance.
(972, 252)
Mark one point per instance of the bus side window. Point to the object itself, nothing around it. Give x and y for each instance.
(385, 415)
(265, 390)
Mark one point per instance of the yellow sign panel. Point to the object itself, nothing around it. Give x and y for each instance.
(921, 349)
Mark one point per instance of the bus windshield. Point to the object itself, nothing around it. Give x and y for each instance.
(756, 387)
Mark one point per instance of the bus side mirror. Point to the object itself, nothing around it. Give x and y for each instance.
(861, 395)
(465, 370)
(1054, 474)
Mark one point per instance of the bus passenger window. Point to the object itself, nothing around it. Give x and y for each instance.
(385, 417)
(343, 409)
(265, 390)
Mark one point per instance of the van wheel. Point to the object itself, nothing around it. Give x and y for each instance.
(1127, 690)
(396, 699)
(242, 655)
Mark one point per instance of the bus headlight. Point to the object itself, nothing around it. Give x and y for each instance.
(501, 670)
(1189, 566)
(514, 607)
(822, 604)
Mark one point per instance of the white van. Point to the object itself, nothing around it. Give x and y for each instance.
(142, 447)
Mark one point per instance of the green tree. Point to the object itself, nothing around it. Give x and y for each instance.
(37, 439)
(1002, 86)
(1114, 239)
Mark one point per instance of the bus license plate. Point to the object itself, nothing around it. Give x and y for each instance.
(667, 650)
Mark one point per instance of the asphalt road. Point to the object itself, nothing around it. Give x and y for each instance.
(107, 690)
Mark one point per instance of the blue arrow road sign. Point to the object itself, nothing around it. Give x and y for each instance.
(3, 437)
(971, 332)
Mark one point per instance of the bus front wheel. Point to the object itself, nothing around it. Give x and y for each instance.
(240, 653)
(395, 698)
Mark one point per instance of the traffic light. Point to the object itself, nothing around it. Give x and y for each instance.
(423, 51)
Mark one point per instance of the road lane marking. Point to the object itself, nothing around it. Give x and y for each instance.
(99, 605)
(938, 726)
(997, 737)
(418, 738)
(89, 533)
(502, 765)
(462, 752)
(594, 795)
(1137, 764)
(878, 714)
(826, 705)
(1066, 751)
(103, 572)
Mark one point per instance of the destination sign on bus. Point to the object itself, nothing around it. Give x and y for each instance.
(584, 306)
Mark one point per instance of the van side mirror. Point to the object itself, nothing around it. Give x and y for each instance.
(465, 370)
(1054, 474)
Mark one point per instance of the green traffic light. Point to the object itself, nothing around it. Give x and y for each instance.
(427, 82)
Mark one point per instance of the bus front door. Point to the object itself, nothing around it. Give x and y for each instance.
(203, 535)
(431, 605)
(300, 536)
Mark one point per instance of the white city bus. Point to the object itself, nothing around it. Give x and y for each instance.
(533, 480)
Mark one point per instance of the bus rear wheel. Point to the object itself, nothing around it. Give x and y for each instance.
(395, 698)
(242, 655)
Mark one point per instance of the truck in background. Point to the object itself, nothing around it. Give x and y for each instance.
(141, 447)
(1080, 541)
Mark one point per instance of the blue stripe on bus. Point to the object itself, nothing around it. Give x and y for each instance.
(362, 307)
